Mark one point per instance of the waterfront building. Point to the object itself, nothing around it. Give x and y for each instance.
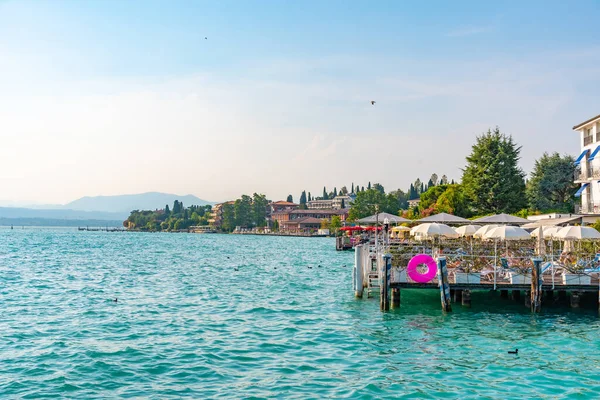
(337, 203)
(216, 215)
(280, 211)
(587, 173)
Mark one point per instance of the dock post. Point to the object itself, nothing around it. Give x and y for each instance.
(457, 296)
(443, 284)
(575, 297)
(358, 271)
(536, 285)
(395, 297)
(466, 298)
(515, 295)
(528, 298)
(562, 296)
(384, 293)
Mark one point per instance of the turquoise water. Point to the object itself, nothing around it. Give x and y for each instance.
(188, 325)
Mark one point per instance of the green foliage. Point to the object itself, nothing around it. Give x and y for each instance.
(551, 184)
(492, 179)
(243, 211)
(159, 220)
(303, 200)
(336, 222)
(290, 198)
(259, 209)
(228, 215)
(379, 188)
(325, 195)
(366, 202)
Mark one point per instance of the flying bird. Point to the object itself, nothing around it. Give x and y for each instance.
(372, 102)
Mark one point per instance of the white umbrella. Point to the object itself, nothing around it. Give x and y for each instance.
(466, 230)
(548, 232)
(483, 230)
(507, 232)
(433, 230)
(578, 233)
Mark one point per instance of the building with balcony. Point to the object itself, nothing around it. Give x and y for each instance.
(587, 173)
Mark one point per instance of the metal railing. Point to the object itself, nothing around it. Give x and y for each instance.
(588, 140)
(593, 208)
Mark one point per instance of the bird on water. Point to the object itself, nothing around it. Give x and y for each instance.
(116, 300)
(372, 102)
(513, 352)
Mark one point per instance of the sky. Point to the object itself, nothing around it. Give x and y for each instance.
(221, 98)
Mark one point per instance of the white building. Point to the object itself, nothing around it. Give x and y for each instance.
(588, 166)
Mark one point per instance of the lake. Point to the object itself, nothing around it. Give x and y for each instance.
(228, 316)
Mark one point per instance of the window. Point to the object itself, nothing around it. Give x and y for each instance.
(588, 137)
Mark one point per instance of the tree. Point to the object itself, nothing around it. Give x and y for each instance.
(352, 188)
(418, 185)
(336, 223)
(362, 188)
(492, 179)
(343, 205)
(259, 209)
(243, 211)
(228, 223)
(303, 200)
(551, 186)
(369, 186)
(444, 180)
(430, 184)
(343, 191)
(453, 201)
(290, 199)
(379, 188)
(176, 207)
(366, 202)
(434, 179)
(423, 188)
(334, 192)
(167, 211)
(309, 197)
(325, 195)
(452, 183)
(325, 223)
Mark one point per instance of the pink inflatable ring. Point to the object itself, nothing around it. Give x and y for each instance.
(414, 263)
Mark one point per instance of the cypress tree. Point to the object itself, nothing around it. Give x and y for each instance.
(352, 188)
(309, 197)
(290, 199)
(369, 186)
(335, 192)
(325, 196)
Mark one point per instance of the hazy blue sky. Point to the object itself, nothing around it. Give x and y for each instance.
(111, 97)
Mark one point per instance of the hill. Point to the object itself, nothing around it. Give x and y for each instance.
(128, 202)
(59, 214)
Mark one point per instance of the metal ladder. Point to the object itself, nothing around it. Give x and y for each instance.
(372, 278)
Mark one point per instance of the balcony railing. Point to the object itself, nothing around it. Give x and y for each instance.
(588, 140)
(584, 174)
(593, 208)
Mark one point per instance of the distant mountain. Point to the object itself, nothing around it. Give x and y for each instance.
(58, 214)
(128, 202)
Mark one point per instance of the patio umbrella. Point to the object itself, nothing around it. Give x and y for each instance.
(501, 219)
(351, 228)
(466, 230)
(445, 218)
(508, 232)
(548, 232)
(483, 230)
(433, 229)
(392, 219)
(578, 233)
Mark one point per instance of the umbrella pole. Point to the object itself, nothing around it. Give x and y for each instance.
(495, 260)
(552, 260)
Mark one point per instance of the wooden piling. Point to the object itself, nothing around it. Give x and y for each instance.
(443, 284)
(515, 295)
(536, 285)
(395, 297)
(466, 298)
(528, 298)
(457, 296)
(358, 271)
(384, 292)
(575, 297)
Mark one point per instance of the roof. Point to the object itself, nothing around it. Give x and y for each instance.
(284, 203)
(381, 217)
(586, 122)
(445, 218)
(551, 222)
(500, 219)
(321, 212)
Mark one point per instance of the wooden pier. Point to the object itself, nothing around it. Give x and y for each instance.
(375, 273)
(101, 229)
